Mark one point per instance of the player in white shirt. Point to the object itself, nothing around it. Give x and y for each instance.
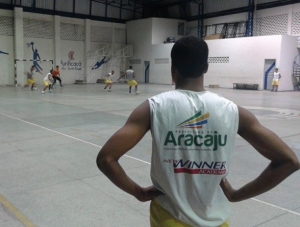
(108, 80)
(275, 81)
(130, 77)
(48, 80)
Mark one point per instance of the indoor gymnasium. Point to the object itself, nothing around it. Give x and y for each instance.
(89, 87)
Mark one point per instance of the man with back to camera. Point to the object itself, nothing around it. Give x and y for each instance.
(193, 133)
(130, 77)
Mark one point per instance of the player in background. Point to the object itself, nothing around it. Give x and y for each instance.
(130, 77)
(275, 81)
(30, 78)
(48, 81)
(108, 81)
(56, 76)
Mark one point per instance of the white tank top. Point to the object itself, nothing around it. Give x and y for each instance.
(129, 74)
(193, 140)
(276, 75)
(46, 78)
(109, 76)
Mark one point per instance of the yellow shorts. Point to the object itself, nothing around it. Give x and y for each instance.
(46, 83)
(159, 217)
(107, 81)
(132, 83)
(30, 81)
(275, 82)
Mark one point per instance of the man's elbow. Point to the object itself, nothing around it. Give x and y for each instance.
(297, 165)
(294, 165)
(103, 162)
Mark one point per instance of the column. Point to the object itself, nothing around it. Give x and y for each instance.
(87, 47)
(19, 46)
(56, 41)
(290, 19)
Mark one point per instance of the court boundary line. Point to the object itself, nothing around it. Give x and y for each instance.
(128, 156)
(15, 212)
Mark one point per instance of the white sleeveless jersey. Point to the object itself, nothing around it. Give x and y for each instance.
(193, 140)
(129, 74)
(276, 75)
(46, 78)
(109, 76)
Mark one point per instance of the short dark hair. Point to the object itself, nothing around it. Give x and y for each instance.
(130, 67)
(57, 66)
(190, 56)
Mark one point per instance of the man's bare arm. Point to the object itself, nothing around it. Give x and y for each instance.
(283, 160)
(121, 76)
(121, 142)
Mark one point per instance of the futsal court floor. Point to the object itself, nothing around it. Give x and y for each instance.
(49, 143)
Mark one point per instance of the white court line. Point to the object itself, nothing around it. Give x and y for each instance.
(71, 137)
(272, 205)
(95, 145)
(124, 96)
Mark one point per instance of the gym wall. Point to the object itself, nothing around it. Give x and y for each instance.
(231, 60)
(6, 47)
(63, 40)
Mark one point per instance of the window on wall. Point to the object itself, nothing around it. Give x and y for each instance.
(5, 1)
(180, 28)
(45, 4)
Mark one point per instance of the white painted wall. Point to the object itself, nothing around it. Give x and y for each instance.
(18, 43)
(147, 36)
(164, 28)
(42, 45)
(288, 52)
(53, 48)
(161, 73)
(7, 75)
(46, 53)
(139, 34)
(288, 9)
(246, 56)
(144, 35)
(246, 60)
(71, 69)
(118, 64)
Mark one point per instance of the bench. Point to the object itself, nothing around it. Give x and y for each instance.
(100, 81)
(245, 86)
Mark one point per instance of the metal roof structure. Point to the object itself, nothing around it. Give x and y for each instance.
(121, 11)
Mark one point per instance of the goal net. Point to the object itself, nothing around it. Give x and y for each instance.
(22, 67)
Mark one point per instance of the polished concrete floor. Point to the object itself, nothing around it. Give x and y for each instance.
(49, 143)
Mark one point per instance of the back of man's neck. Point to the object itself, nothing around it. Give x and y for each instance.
(191, 85)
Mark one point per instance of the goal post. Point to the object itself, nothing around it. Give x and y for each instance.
(20, 78)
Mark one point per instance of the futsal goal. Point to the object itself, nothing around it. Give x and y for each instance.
(22, 66)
